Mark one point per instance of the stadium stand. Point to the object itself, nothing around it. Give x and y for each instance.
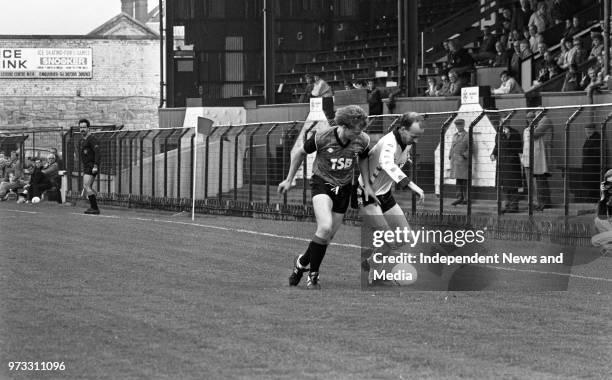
(374, 53)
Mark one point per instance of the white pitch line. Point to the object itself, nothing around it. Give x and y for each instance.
(240, 230)
(252, 232)
(25, 212)
(97, 216)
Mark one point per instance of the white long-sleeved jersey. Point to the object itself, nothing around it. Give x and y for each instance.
(385, 161)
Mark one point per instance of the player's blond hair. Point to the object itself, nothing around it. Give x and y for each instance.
(348, 115)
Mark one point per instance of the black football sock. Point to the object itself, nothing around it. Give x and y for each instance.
(93, 202)
(304, 259)
(317, 252)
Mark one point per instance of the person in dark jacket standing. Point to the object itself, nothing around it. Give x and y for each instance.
(458, 157)
(90, 158)
(508, 147)
(591, 166)
(374, 99)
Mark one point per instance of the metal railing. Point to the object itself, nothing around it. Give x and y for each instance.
(240, 166)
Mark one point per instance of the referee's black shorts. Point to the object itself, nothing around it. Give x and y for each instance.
(340, 195)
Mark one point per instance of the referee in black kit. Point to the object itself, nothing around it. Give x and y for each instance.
(91, 159)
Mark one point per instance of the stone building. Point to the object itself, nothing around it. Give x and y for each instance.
(110, 76)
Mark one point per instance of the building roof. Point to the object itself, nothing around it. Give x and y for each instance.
(123, 25)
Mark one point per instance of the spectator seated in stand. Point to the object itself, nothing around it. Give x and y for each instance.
(12, 183)
(502, 56)
(572, 81)
(525, 50)
(515, 57)
(509, 85)
(597, 46)
(553, 70)
(563, 60)
(45, 177)
(321, 88)
(11, 186)
(593, 81)
(444, 85)
(432, 87)
(3, 163)
(543, 76)
(305, 97)
(578, 54)
(456, 84)
(533, 38)
(515, 36)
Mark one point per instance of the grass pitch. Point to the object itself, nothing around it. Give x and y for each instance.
(137, 295)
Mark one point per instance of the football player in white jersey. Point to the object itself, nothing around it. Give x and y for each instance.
(385, 161)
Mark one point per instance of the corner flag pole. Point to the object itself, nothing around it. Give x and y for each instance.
(203, 127)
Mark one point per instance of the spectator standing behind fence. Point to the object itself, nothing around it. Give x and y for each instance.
(321, 88)
(91, 160)
(542, 141)
(509, 85)
(508, 147)
(375, 102)
(458, 157)
(305, 97)
(591, 164)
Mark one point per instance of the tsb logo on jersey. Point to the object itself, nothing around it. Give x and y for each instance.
(341, 163)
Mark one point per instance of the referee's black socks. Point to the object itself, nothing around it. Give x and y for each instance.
(93, 202)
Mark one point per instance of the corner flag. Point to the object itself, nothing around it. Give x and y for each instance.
(203, 127)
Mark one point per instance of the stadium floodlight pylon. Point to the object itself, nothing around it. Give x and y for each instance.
(204, 127)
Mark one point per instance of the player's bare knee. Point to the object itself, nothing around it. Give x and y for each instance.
(325, 231)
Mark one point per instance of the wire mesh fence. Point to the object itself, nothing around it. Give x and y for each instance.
(479, 169)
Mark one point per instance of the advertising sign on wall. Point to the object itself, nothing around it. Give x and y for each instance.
(46, 63)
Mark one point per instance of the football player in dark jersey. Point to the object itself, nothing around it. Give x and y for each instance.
(91, 160)
(338, 149)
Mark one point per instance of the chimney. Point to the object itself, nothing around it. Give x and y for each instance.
(141, 11)
(127, 7)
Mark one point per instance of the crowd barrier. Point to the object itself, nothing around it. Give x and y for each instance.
(239, 167)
